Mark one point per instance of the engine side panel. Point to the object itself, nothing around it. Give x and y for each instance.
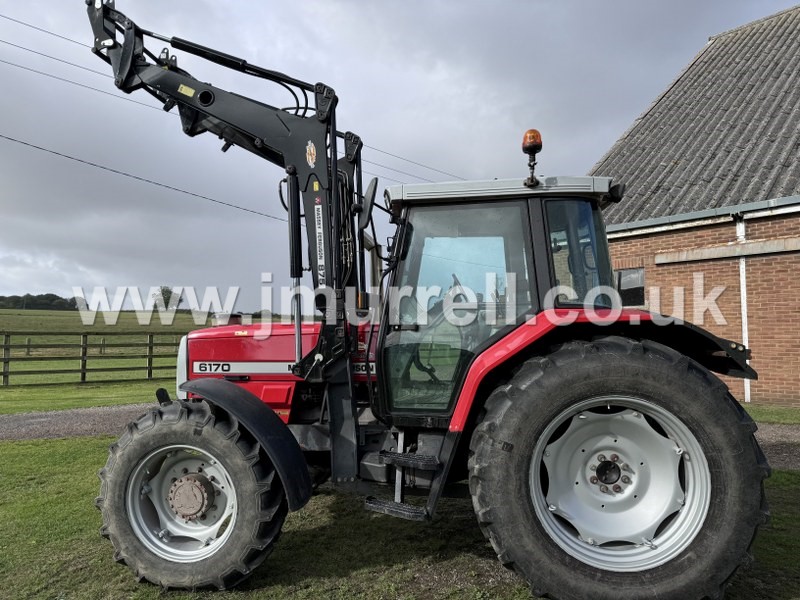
(253, 358)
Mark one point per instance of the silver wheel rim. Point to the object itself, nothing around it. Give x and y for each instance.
(167, 485)
(620, 483)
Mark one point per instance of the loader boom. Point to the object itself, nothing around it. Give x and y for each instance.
(303, 140)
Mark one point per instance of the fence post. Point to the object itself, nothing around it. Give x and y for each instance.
(6, 357)
(27, 346)
(84, 354)
(102, 345)
(150, 340)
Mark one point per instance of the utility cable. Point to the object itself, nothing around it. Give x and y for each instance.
(397, 156)
(75, 83)
(142, 179)
(94, 89)
(43, 30)
(61, 60)
(369, 162)
(408, 160)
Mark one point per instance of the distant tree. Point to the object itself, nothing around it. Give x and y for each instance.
(38, 302)
(168, 296)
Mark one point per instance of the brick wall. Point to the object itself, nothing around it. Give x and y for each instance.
(773, 296)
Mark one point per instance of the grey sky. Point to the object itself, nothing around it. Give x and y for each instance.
(449, 84)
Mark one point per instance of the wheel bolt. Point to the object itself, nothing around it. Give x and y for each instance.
(614, 458)
(593, 479)
(626, 479)
(602, 458)
(185, 471)
(552, 508)
(593, 468)
(617, 489)
(604, 489)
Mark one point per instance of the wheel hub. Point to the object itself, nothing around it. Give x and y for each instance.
(608, 472)
(191, 496)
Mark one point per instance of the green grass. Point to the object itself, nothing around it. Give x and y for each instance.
(774, 414)
(46, 321)
(50, 546)
(59, 397)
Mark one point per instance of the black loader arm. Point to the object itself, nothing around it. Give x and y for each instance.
(302, 139)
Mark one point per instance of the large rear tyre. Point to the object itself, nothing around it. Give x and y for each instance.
(189, 499)
(618, 470)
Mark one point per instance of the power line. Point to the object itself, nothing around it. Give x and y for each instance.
(413, 162)
(94, 89)
(142, 179)
(43, 30)
(369, 162)
(87, 87)
(397, 156)
(381, 176)
(61, 60)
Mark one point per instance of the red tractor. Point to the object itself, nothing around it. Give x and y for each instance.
(603, 456)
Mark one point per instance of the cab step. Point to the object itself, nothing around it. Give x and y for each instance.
(396, 509)
(422, 462)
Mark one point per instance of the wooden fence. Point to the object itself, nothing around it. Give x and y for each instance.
(46, 358)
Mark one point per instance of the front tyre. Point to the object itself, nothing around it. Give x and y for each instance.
(617, 469)
(189, 499)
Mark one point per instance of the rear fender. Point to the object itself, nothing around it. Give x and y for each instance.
(540, 333)
(267, 428)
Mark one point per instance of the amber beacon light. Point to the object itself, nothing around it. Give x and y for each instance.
(532, 142)
(532, 145)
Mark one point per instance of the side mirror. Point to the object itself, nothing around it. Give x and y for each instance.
(368, 202)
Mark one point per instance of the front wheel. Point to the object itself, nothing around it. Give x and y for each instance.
(617, 469)
(189, 499)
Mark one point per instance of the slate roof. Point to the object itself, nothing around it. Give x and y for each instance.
(725, 132)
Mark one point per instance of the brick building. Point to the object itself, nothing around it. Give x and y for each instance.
(713, 200)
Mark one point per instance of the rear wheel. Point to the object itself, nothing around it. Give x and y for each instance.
(618, 469)
(189, 499)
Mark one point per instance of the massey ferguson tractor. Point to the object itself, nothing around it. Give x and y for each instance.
(604, 458)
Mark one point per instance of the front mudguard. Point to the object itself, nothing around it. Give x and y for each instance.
(267, 428)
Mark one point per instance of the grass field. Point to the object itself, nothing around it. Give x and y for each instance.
(122, 347)
(50, 547)
(45, 321)
(60, 397)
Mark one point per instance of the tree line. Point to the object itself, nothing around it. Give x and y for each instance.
(38, 302)
(56, 302)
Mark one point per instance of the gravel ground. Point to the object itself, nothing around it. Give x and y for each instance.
(781, 443)
(103, 420)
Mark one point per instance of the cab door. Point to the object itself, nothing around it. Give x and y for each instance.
(463, 278)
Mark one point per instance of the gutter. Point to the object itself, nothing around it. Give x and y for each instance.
(763, 208)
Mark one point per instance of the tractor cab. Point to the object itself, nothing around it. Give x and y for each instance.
(475, 260)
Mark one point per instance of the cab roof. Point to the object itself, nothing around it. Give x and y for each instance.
(498, 189)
